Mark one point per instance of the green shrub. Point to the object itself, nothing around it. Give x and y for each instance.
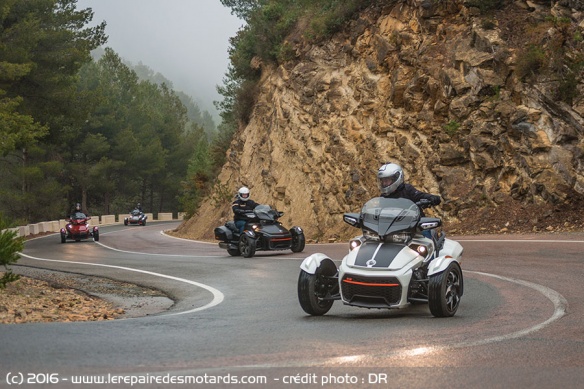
(568, 88)
(452, 127)
(530, 62)
(10, 246)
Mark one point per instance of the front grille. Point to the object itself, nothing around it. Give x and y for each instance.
(371, 292)
(279, 243)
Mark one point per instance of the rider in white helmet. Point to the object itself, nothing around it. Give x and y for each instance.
(240, 206)
(390, 178)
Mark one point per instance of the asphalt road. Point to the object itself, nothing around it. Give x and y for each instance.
(236, 322)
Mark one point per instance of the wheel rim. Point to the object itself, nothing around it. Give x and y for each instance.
(244, 246)
(320, 289)
(452, 295)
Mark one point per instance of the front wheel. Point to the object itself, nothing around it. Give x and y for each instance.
(247, 246)
(313, 288)
(96, 235)
(63, 237)
(445, 291)
(125, 222)
(298, 242)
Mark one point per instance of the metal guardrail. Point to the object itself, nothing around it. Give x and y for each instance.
(103, 220)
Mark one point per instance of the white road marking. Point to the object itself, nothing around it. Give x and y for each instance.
(185, 239)
(154, 254)
(559, 302)
(218, 297)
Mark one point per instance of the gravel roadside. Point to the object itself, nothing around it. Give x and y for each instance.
(49, 296)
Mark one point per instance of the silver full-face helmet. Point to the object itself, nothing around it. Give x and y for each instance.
(243, 193)
(389, 177)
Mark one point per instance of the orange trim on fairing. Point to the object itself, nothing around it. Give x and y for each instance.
(367, 283)
(279, 239)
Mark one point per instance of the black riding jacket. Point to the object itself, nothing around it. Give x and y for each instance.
(240, 207)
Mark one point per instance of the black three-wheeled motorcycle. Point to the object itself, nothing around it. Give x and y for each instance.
(262, 232)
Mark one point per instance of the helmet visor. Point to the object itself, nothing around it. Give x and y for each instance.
(384, 182)
(244, 195)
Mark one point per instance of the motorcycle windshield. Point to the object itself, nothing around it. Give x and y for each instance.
(78, 216)
(384, 215)
(265, 212)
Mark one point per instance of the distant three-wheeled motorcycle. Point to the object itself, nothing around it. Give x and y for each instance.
(262, 232)
(78, 228)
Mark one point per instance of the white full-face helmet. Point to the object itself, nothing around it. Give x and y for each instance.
(243, 193)
(389, 177)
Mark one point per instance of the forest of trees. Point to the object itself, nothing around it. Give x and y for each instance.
(95, 131)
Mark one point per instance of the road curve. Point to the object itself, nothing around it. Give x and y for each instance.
(237, 319)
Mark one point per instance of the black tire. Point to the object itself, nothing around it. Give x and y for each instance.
(298, 242)
(63, 237)
(125, 222)
(445, 291)
(234, 252)
(144, 223)
(96, 235)
(247, 246)
(312, 288)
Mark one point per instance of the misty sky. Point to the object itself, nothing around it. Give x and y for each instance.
(184, 40)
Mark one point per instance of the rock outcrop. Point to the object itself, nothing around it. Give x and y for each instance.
(454, 96)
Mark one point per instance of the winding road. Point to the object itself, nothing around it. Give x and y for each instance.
(236, 322)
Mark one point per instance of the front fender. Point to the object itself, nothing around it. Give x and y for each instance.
(440, 264)
(451, 252)
(250, 233)
(296, 230)
(311, 263)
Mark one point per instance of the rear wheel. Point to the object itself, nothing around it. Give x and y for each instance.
(445, 291)
(247, 246)
(298, 242)
(313, 288)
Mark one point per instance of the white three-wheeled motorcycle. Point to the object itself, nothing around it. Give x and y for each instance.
(391, 265)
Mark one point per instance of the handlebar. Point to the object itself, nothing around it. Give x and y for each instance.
(424, 203)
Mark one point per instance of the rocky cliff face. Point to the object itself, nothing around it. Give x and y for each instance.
(458, 98)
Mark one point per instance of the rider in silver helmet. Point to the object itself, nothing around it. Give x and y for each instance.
(390, 178)
(241, 206)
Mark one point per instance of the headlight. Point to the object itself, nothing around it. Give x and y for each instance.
(255, 227)
(370, 235)
(421, 249)
(397, 238)
(354, 243)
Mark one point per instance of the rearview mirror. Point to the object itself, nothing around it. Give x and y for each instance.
(352, 219)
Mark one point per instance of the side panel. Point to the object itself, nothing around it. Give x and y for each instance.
(223, 233)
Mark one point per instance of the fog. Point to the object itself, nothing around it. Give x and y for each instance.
(184, 40)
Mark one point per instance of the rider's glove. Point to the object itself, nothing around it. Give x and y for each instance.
(435, 200)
